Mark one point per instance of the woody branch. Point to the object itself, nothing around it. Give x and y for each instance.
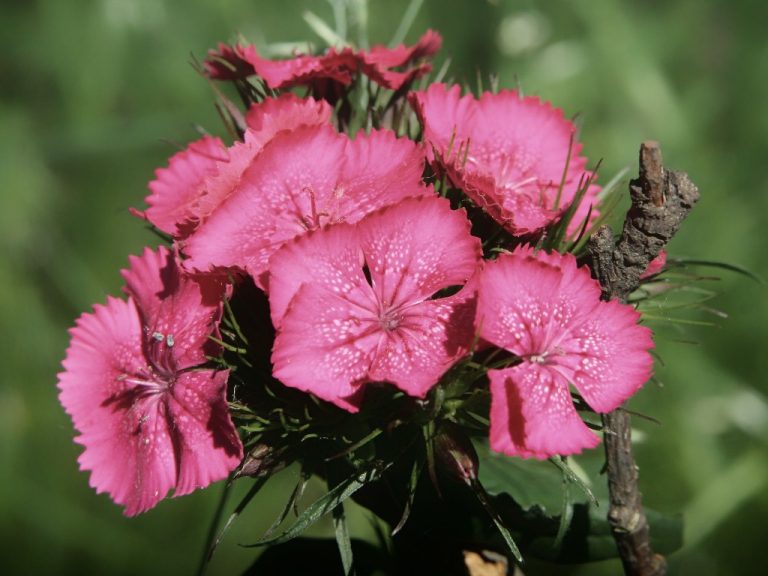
(661, 200)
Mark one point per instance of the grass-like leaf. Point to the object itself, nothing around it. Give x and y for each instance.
(326, 503)
(257, 485)
(484, 499)
(343, 541)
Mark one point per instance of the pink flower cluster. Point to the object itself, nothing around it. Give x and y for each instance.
(372, 276)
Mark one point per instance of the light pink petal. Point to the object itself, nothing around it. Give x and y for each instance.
(379, 62)
(326, 344)
(502, 147)
(227, 63)
(337, 331)
(303, 69)
(331, 258)
(655, 266)
(206, 442)
(176, 189)
(264, 120)
(286, 112)
(125, 433)
(303, 180)
(532, 414)
(606, 356)
(430, 337)
(417, 247)
(526, 304)
(177, 311)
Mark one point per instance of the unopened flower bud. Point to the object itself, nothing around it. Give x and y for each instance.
(456, 454)
(262, 460)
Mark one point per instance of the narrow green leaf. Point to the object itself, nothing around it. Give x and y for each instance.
(326, 503)
(412, 484)
(482, 496)
(257, 485)
(322, 29)
(571, 477)
(211, 539)
(714, 264)
(407, 21)
(291, 504)
(566, 515)
(343, 541)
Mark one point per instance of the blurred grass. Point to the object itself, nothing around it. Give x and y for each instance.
(92, 88)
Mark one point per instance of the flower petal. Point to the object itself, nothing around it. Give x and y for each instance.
(430, 338)
(503, 148)
(206, 442)
(416, 248)
(326, 344)
(532, 414)
(176, 189)
(127, 443)
(174, 305)
(527, 305)
(337, 329)
(606, 356)
(379, 62)
(303, 69)
(303, 180)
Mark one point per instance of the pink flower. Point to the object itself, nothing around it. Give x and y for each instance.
(149, 418)
(357, 304)
(334, 67)
(655, 266)
(199, 178)
(548, 312)
(228, 63)
(507, 153)
(176, 190)
(395, 67)
(302, 180)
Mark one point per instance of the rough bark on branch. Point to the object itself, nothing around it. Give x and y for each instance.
(661, 199)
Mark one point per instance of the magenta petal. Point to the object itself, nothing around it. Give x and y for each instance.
(302, 69)
(205, 439)
(331, 258)
(606, 356)
(430, 338)
(326, 344)
(175, 305)
(417, 248)
(532, 414)
(176, 189)
(526, 304)
(379, 62)
(655, 266)
(507, 153)
(304, 180)
(352, 304)
(127, 446)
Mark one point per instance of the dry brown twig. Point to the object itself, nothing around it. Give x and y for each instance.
(661, 199)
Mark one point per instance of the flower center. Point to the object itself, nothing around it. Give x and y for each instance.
(390, 319)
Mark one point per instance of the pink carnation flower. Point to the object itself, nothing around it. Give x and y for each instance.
(507, 153)
(176, 190)
(548, 312)
(356, 304)
(325, 73)
(203, 175)
(302, 180)
(395, 67)
(149, 419)
(655, 266)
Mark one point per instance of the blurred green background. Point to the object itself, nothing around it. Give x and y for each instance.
(91, 92)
